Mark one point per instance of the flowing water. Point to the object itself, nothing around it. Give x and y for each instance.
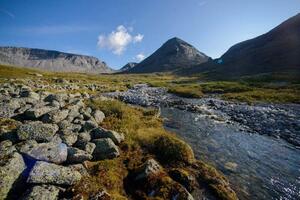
(258, 167)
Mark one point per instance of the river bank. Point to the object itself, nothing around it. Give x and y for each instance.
(235, 137)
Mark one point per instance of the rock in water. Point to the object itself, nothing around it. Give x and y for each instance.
(37, 131)
(12, 166)
(43, 192)
(50, 152)
(105, 149)
(47, 173)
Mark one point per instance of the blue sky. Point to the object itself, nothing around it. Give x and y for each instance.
(119, 31)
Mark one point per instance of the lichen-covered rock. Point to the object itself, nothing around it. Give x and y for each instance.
(50, 152)
(42, 192)
(55, 116)
(98, 116)
(36, 112)
(150, 168)
(80, 168)
(7, 109)
(76, 155)
(12, 166)
(48, 173)
(105, 149)
(89, 125)
(89, 147)
(7, 129)
(37, 131)
(68, 137)
(103, 133)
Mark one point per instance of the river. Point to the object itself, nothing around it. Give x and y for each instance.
(258, 163)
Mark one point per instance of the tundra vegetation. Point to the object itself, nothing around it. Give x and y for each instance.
(174, 169)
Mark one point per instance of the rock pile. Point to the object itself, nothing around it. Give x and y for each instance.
(44, 140)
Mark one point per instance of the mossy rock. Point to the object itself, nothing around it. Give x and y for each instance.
(215, 181)
(172, 150)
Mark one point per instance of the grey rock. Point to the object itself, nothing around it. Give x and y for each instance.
(89, 147)
(37, 131)
(69, 137)
(42, 192)
(80, 168)
(98, 116)
(50, 152)
(55, 116)
(48, 173)
(105, 149)
(116, 137)
(89, 125)
(11, 168)
(36, 112)
(78, 156)
(7, 109)
(149, 168)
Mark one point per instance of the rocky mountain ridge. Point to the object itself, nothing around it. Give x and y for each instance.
(52, 60)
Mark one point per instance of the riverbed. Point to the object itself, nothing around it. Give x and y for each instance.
(240, 140)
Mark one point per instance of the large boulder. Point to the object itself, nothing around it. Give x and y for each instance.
(7, 109)
(43, 192)
(55, 116)
(50, 152)
(105, 149)
(76, 155)
(103, 133)
(37, 131)
(48, 173)
(38, 111)
(12, 166)
(98, 116)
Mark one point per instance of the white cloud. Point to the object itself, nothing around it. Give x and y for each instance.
(118, 40)
(140, 57)
(138, 38)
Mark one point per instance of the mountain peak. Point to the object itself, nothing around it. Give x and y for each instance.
(174, 54)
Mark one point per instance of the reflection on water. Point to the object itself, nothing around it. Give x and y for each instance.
(258, 167)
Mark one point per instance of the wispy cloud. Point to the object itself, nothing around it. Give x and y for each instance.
(139, 57)
(6, 12)
(56, 29)
(118, 40)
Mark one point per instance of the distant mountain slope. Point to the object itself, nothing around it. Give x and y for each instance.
(51, 60)
(276, 51)
(128, 66)
(173, 55)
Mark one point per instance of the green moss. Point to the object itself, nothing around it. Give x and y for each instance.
(172, 150)
(209, 176)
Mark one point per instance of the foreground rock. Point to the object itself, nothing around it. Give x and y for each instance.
(50, 152)
(43, 192)
(12, 166)
(37, 131)
(116, 137)
(47, 173)
(105, 149)
(78, 156)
